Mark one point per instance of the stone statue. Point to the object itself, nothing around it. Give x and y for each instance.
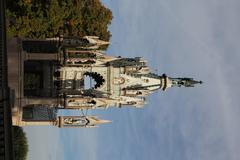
(186, 82)
(81, 121)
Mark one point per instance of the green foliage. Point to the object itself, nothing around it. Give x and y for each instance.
(49, 18)
(20, 144)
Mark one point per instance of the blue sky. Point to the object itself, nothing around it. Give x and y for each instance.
(188, 38)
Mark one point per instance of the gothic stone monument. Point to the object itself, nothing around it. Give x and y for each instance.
(73, 73)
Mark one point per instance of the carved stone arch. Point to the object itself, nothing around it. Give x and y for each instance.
(98, 78)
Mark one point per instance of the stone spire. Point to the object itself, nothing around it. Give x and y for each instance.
(80, 121)
(86, 42)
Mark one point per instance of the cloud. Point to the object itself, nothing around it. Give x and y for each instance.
(80, 143)
(44, 143)
(199, 39)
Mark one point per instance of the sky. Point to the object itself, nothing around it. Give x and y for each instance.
(188, 38)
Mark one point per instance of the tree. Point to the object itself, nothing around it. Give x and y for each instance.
(20, 144)
(50, 18)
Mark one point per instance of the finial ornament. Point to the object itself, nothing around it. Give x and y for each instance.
(186, 82)
(167, 82)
